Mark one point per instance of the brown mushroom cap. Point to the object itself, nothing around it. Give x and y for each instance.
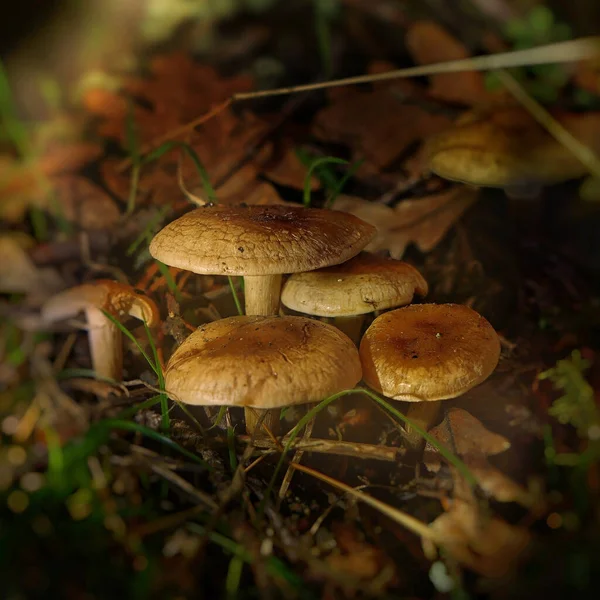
(427, 352)
(506, 147)
(263, 362)
(361, 285)
(260, 240)
(114, 297)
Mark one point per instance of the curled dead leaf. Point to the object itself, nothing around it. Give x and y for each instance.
(420, 221)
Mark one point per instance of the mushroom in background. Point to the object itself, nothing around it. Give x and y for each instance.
(119, 300)
(262, 363)
(425, 353)
(347, 292)
(506, 147)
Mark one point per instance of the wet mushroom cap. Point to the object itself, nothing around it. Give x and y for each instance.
(361, 285)
(116, 298)
(260, 240)
(263, 362)
(428, 352)
(505, 147)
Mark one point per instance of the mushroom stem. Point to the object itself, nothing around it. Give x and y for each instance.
(106, 346)
(270, 422)
(262, 293)
(351, 326)
(424, 415)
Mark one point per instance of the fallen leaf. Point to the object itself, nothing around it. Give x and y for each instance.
(287, 169)
(176, 91)
(429, 43)
(378, 126)
(464, 434)
(487, 545)
(84, 203)
(420, 221)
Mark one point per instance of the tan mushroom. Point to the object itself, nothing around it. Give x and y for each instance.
(506, 147)
(117, 299)
(262, 363)
(260, 243)
(424, 353)
(346, 292)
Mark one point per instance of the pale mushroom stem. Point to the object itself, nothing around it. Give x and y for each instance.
(106, 346)
(351, 326)
(424, 415)
(270, 422)
(262, 295)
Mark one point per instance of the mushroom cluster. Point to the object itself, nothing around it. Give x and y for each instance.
(264, 361)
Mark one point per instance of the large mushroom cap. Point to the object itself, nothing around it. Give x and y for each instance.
(114, 297)
(260, 240)
(263, 362)
(361, 285)
(428, 352)
(506, 147)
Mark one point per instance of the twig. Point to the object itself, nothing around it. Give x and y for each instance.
(285, 484)
(322, 446)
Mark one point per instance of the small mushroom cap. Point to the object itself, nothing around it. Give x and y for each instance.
(361, 285)
(506, 147)
(427, 352)
(263, 362)
(260, 240)
(116, 298)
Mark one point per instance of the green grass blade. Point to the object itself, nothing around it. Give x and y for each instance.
(315, 164)
(238, 305)
(128, 334)
(164, 400)
(148, 230)
(11, 123)
(170, 281)
(339, 186)
(234, 577)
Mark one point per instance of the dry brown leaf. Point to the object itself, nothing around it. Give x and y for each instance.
(288, 170)
(176, 91)
(487, 545)
(376, 125)
(84, 203)
(464, 434)
(423, 221)
(429, 43)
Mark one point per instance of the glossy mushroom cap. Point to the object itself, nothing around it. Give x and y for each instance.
(506, 147)
(118, 299)
(263, 362)
(361, 285)
(428, 352)
(260, 240)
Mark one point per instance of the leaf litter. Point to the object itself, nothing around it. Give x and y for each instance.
(113, 461)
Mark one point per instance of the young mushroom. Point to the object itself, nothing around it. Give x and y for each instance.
(425, 353)
(349, 291)
(261, 243)
(119, 300)
(263, 364)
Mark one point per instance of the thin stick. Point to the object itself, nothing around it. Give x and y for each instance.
(560, 52)
(583, 153)
(321, 446)
(287, 480)
(417, 527)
